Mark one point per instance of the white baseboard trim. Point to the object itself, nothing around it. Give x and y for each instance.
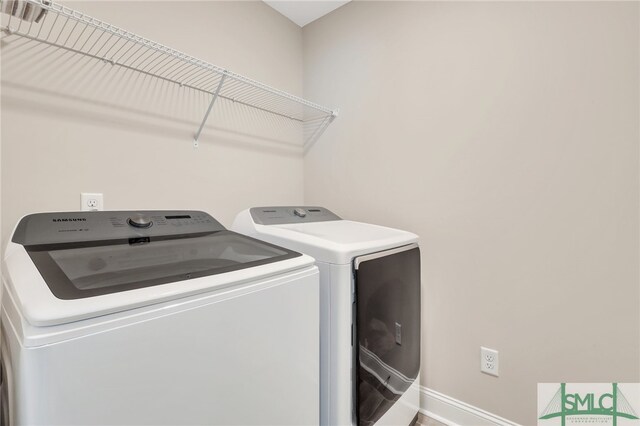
(452, 412)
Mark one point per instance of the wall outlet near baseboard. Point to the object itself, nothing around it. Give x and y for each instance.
(489, 361)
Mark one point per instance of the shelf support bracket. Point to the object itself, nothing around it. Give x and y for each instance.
(206, 115)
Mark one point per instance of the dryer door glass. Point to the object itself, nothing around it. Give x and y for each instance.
(387, 328)
(78, 270)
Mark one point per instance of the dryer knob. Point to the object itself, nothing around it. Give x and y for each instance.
(299, 212)
(140, 221)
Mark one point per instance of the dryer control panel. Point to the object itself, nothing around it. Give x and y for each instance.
(291, 214)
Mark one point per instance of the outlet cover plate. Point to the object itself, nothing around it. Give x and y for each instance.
(91, 201)
(489, 361)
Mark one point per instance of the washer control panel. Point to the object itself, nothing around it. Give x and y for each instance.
(291, 214)
(66, 227)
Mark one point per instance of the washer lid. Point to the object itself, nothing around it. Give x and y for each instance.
(103, 257)
(70, 270)
(336, 241)
(76, 271)
(38, 306)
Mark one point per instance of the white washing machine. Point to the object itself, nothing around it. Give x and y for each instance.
(156, 317)
(369, 307)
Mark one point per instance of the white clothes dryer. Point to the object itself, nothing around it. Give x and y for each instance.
(155, 317)
(369, 310)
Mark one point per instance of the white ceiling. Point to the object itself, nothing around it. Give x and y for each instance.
(303, 12)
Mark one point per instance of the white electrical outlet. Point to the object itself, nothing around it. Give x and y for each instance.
(489, 361)
(91, 201)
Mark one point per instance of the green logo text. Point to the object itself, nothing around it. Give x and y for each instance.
(565, 404)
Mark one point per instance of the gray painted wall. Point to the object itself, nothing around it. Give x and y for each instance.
(506, 135)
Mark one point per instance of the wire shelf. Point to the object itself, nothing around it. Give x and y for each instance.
(59, 26)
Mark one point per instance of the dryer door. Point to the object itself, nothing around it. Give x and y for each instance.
(387, 329)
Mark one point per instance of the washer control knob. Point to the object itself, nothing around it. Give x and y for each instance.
(299, 212)
(140, 221)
